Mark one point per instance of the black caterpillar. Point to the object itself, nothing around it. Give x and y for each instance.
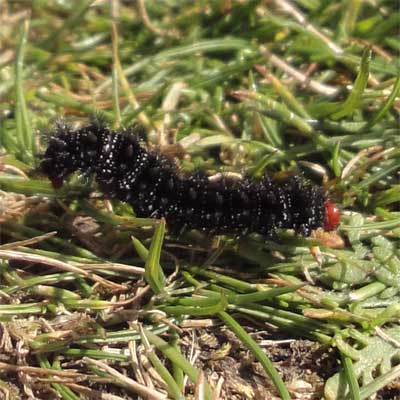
(153, 185)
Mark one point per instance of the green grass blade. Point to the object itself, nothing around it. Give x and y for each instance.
(388, 104)
(173, 388)
(354, 99)
(199, 310)
(176, 357)
(24, 132)
(154, 274)
(65, 392)
(258, 353)
(74, 19)
(379, 383)
(351, 378)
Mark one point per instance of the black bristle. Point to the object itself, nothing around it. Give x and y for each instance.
(155, 188)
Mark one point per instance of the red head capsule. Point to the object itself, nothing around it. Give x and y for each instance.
(332, 216)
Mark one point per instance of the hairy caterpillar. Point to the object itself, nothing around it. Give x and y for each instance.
(153, 185)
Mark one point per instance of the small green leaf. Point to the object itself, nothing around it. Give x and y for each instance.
(375, 357)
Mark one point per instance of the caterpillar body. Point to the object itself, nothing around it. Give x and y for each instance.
(154, 186)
